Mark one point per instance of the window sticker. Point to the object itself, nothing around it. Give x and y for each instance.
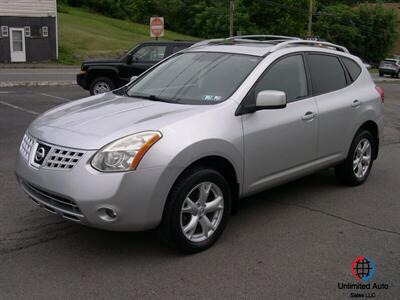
(211, 98)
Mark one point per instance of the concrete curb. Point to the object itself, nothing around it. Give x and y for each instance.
(37, 83)
(38, 66)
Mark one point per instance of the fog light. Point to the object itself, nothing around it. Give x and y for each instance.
(107, 214)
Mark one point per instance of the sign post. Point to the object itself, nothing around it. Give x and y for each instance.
(156, 27)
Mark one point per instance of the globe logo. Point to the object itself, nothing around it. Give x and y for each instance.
(362, 268)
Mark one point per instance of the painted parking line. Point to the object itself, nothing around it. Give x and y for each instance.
(19, 108)
(55, 97)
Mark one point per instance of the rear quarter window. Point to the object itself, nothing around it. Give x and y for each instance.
(327, 73)
(352, 67)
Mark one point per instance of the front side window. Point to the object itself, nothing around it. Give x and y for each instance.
(327, 73)
(150, 53)
(195, 78)
(287, 75)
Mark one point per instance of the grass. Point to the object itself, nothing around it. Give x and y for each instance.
(83, 34)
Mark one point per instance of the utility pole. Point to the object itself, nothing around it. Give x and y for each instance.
(310, 14)
(231, 12)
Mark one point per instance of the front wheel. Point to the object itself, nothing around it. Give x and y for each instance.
(197, 210)
(357, 166)
(101, 85)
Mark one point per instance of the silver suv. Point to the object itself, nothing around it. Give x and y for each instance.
(179, 146)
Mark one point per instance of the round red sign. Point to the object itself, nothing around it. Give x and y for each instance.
(157, 26)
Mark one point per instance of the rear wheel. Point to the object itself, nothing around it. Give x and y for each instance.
(197, 210)
(380, 74)
(357, 166)
(101, 85)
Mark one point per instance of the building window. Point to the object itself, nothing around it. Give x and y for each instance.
(36, 31)
(45, 31)
(4, 31)
(27, 31)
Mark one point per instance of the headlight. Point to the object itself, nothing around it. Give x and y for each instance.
(125, 154)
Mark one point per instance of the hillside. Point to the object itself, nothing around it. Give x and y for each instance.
(83, 34)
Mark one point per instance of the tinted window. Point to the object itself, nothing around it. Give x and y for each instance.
(327, 73)
(353, 68)
(287, 75)
(150, 53)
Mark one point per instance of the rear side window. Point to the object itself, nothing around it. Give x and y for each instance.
(287, 75)
(353, 68)
(327, 73)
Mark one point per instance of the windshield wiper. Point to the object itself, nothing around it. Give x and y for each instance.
(153, 98)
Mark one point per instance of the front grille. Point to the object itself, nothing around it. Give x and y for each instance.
(53, 202)
(61, 158)
(57, 157)
(26, 146)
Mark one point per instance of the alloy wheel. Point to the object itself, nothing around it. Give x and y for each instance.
(202, 212)
(362, 158)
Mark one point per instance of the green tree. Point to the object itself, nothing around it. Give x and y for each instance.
(378, 28)
(368, 31)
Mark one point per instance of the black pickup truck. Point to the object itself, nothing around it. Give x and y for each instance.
(100, 76)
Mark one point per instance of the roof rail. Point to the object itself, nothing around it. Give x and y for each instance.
(309, 43)
(263, 37)
(247, 39)
(207, 42)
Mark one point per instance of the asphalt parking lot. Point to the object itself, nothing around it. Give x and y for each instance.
(294, 241)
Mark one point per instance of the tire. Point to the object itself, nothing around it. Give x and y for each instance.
(398, 74)
(352, 173)
(380, 74)
(181, 214)
(101, 85)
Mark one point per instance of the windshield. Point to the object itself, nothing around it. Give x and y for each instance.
(389, 62)
(195, 78)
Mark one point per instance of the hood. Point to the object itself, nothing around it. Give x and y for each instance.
(93, 122)
(101, 61)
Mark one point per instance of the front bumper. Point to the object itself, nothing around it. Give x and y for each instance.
(77, 194)
(81, 80)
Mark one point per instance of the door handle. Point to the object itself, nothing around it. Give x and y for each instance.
(308, 116)
(356, 103)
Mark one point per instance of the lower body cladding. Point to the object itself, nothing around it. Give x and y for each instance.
(129, 201)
